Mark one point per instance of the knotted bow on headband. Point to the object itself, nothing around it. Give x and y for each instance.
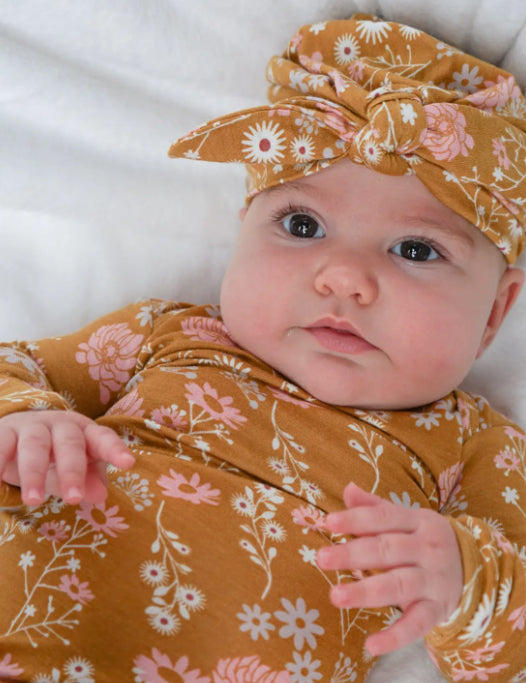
(395, 99)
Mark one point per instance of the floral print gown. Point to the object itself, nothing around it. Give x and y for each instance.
(200, 566)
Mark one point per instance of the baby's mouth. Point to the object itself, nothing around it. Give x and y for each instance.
(339, 336)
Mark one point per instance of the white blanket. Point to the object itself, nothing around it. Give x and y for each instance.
(92, 212)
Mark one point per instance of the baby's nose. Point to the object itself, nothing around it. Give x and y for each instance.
(345, 276)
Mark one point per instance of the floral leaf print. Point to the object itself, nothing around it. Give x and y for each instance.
(287, 463)
(164, 576)
(203, 329)
(248, 670)
(158, 666)
(110, 353)
(263, 530)
(221, 409)
(449, 487)
(41, 582)
(178, 486)
(170, 416)
(130, 404)
(445, 135)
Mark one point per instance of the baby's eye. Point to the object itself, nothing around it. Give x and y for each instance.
(415, 250)
(302, 225)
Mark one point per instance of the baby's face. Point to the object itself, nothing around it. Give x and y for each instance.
(364, 289)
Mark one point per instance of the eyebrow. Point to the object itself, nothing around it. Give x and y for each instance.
(440, 225)
(437, 222)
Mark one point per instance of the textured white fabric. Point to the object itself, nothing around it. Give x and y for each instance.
(92, 212)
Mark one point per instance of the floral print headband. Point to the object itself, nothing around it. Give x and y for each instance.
(396, 100)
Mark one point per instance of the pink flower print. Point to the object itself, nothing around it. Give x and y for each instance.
(449, 483)
(130, 405)
(484, 654)
(247, 670)
(110, 354)
(170, 416)
(507, 460)
(208, 399)
(53, 531)
(101, 519)
(207, 329)
(518, 617)
(495, 95)
(514, 433)
(312, 64)
(499, 150)
(283, 396)
(160, 669)
(506, 203)
(178, 486)
(337, 122)
(356, 69)
(445, 135)
(77, 591)
(296, 41)
(309, 517)
(9, 669)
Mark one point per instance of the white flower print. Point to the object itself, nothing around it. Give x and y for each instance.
(409, 33)
(427, 420)
(274, 531)
(26, 560)
(347, 49)
(479, 624)
(303, 148)
(162, 620)
(405, 500)
(256, 622)
(264, 143)
(318, 28)
(373, 31)
(299, 623)
(243, 505)
(308, 555)
(510, 495)
(304, 669)
(153, 573)
(190, 599)
(467, 80)
(79, 670)
(409, 114)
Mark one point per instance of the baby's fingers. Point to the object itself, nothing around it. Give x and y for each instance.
(70, 454)
(34, 447)
(416, 622)
(8, 441)
(106, 446)
(401, 586)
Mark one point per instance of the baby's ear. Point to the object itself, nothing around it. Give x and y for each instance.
(242, 213)
(508, 290)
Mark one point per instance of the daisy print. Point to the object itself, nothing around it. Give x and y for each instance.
(303, 148)
(346, 49)
(467, 80)
(409, 33)
(264, 143)
(373, 31)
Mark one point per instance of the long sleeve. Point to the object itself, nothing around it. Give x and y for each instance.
(86, 371)
(485, 499)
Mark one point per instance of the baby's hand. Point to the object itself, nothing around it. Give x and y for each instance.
(419, 558)
(62, 453)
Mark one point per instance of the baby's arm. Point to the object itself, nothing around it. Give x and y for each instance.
(410, 547)
(60, 453)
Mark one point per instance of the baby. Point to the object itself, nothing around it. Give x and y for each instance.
(374, 264)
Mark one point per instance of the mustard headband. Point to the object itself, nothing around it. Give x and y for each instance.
(396, 100)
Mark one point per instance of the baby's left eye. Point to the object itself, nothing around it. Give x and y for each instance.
(415, 250)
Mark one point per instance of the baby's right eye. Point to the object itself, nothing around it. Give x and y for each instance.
(302, 225)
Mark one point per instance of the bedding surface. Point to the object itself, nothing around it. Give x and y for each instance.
(94, 215)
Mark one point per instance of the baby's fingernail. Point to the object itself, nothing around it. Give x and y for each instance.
(322, 556)
(74, 494)
(33, 496)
